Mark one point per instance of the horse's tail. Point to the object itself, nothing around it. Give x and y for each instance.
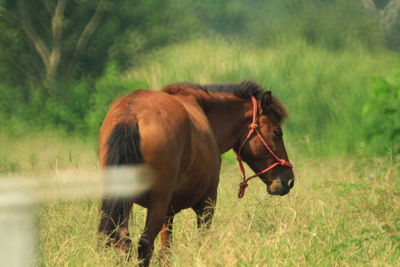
(122, 148)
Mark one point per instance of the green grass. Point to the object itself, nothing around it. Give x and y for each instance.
(45, 151)
(336, 215)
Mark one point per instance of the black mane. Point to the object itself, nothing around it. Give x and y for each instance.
(244, 89)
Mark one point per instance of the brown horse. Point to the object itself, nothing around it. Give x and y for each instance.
(181, 133)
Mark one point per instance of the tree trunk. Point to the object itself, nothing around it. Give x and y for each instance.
(386, 16)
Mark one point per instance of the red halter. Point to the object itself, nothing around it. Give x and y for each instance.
(254, 129)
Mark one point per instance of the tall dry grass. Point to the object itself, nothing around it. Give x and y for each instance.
(336, 215)
(341, 212)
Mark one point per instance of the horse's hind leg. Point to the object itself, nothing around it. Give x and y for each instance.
(155, 219)
(123, 241)
(114, 222)
(166, 240)
(166, 233)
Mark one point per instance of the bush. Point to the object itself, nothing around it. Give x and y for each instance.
(8, 98)
(68, 108)
(77, 106)
(382, 113)
(107, 89)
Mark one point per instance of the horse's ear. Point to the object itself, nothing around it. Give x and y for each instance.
(266, 99)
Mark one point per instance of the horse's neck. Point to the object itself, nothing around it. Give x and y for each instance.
(227, 117)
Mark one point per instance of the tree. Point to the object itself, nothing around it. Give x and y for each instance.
(51, 52)
(44, 42)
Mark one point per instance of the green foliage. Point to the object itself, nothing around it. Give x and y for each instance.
(78, 106)
(68, 108)
(81, 106)
(318, 56)
(126, 30)
(133, 28)
(322, 89)
(333, 24)
(382, 113)
(130, 29)
(8, 95)
(110, 86)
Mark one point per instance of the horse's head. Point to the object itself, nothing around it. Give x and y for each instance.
(262, 146)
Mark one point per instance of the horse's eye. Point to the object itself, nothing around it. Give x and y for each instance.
(278, 133)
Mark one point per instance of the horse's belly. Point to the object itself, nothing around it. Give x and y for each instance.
(196, 182)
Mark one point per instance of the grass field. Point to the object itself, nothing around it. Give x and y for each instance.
(341, 212)
(333, 64)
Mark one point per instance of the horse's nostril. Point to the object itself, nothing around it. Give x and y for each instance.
(291, 183)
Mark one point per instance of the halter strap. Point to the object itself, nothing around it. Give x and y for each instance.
(254, 129)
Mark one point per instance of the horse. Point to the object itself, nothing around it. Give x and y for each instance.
(181, 133)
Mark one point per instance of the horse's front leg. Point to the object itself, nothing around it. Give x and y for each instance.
(156, 215)
(205, 210)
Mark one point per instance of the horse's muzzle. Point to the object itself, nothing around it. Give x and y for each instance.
(279, 187)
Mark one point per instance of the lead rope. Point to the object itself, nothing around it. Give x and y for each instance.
(254, 128)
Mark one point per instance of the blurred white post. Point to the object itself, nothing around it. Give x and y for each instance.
(17, 229)
(19, 196)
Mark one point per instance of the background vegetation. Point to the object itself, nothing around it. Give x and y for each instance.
(63, 63)
(334, 63)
